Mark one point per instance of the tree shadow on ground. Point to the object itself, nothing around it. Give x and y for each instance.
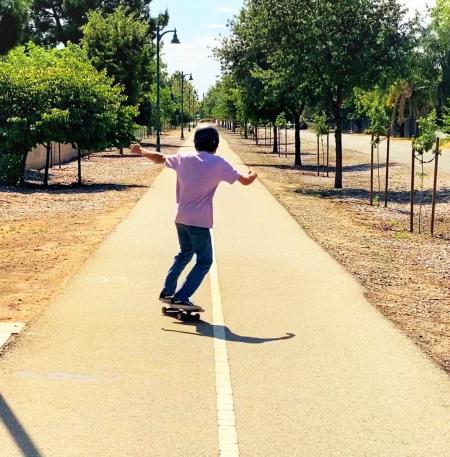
(17, 431)
(443, 195)
(313, 168)
(282, 154)
(103, 155)
(150, 144)
(224, 333)
(73, 188)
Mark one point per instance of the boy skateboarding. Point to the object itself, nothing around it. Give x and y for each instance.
(199, 173)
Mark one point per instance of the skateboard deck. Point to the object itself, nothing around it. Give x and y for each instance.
(183, 312)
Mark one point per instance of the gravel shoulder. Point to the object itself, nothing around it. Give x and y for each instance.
(47, 235)
(406, 276)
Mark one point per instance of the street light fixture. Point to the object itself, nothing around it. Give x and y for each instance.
(189, 108)
(175, 40)
(183, 76)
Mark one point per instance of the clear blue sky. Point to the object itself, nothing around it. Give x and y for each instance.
(199, 24)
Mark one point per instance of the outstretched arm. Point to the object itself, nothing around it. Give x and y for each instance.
(247, 180)
(156, 157)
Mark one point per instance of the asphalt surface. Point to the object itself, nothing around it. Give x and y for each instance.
(315, 369)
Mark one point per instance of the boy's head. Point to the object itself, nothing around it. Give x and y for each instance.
(206, 139)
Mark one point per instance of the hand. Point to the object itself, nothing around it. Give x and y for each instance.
(136, 149)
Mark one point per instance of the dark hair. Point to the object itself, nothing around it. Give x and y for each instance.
(206, 139)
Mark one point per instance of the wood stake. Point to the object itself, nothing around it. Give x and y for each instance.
(436, 168)
(371, 170)
(413, 171)
(318, 156)
(388, 151)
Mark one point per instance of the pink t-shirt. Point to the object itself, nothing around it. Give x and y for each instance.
(198, 175)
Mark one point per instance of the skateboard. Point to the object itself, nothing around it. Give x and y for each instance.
(183, 312)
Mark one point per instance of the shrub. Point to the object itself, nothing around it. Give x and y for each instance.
(10, 169)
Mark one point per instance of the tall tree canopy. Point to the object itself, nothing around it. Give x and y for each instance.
(60, 21)
(13, 18)
(119, 43)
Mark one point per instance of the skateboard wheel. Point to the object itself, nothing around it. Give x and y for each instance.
(197, 317)
(180, 316)
(164, 310)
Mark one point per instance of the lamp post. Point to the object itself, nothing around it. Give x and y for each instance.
(183, 76)
(194, 114)
(189, 109)
(175, 40)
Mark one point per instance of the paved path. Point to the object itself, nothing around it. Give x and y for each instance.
(315, 370)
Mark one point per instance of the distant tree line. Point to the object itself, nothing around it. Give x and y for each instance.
(344, 58)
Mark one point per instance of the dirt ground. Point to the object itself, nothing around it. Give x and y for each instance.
(407, 276)
(47, 235)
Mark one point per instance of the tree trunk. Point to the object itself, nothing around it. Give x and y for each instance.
(24, 164)
(338, 136)
(275, 139)
(48, 148)
(79, 166)
(61, 36)
(298, 145)
(234, 125)
(256, 135)
(246, 130)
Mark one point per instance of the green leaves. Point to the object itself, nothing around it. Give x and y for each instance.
(10, 168)
(285, 53)
(13, 17)
(58, 96)
(60, 21)
(374, 105)
(428, 134)
(320, 124)
(119, 43)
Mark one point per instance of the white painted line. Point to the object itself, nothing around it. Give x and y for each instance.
(4, 338)
(7, 329)
(11, 327)
(226, 422)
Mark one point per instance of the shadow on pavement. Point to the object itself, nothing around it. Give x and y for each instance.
(206, 329)
(18, 433)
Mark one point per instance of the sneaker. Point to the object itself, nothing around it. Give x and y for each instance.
(184, 305)
(163, 296)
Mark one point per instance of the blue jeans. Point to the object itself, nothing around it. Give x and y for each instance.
(193, 240)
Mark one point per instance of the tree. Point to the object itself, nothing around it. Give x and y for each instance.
(13, 17)
(52, 127)
(352, 43)
(60, 21)
(436, 53)
(57, 95)
(277, 26)
(326, 47)
(321, 128)
(119, 44)
(245, 55)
